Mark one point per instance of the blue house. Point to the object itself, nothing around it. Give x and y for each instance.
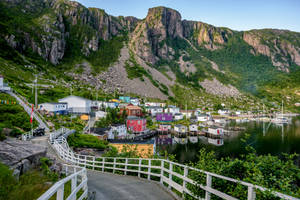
(124, 99)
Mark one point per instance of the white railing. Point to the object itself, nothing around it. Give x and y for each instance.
(27, 136)
(78, 188)
(173, 175)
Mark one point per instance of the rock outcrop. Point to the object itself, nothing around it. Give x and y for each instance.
(21, 156)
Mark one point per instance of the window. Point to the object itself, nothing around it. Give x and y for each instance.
(139, 122)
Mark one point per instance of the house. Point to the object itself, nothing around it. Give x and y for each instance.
(136, 124)
(193, 128)
(164, 127)
(153, 110)
(202, 118)
(172, 109)
(187, 113)
(193, 119)
(61, 108)
(132, 110)
(3, 86)
(178, 116)
(158, 104)
(180, 128)
(135, 101)
(100, 114)
(215, 131)
(77, 104)
(164, 117)
(101, 133)
(110, 104)
(124, 99)
(223, 112)
(117, 131)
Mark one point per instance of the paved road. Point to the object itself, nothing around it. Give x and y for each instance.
(117, 187)
(28, 110)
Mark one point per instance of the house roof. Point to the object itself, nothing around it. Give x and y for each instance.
(116, 125)
(99, 131)
(134, 118)
(73, 96)
(152, 107)
(178, 114)
(54, 103)
(132, 107)
(179, 126)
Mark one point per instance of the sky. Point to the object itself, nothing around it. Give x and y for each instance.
(234, 14)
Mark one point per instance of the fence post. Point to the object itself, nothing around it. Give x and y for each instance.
(93, 163)
(162, 166)
(140, 163)
(103, 161)
(126, 162)
(208, 184)
(170, 174)
(185, 174)
(149, 169)
(251, 193)
(114, 166)
(74, 185)
(60, 193)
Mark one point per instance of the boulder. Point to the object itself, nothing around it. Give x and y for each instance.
(21, 156)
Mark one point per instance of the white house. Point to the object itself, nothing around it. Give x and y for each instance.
(153, 110)
(178, 116)
(237, 112)
(202, 118)
(77, 104)
(110, 105)
(193, 128)
(215, 131)
(135, 101)
(187, 113)
(100, 114)
(54, 107)
(223, 112)
(172, 109)
(3, 86)
(180, 128)
(158, 104)
(117, 131)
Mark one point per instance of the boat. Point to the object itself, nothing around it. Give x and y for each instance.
(280, 119)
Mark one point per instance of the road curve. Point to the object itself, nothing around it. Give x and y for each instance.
(118, 187)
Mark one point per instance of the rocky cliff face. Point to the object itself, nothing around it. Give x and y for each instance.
(54, 23)
(149, 39)
(279, 45)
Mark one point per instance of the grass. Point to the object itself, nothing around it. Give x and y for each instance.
(31, 185)
(86, 141)
(13, 116)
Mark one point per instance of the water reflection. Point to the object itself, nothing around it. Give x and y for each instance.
(266, 138)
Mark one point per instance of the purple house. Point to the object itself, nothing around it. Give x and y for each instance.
(164, 117)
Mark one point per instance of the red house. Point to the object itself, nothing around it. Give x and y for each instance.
(136, 125)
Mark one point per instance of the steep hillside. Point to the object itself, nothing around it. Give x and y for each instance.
(70, 45)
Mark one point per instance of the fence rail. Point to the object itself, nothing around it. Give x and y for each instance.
(175, 176)
(77, 177)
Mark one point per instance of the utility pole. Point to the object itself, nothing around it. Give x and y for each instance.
(36, 97)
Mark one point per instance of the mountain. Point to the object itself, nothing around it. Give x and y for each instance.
(160, 56)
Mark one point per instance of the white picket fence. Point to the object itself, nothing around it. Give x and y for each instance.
(175, 176)
(77, 177)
